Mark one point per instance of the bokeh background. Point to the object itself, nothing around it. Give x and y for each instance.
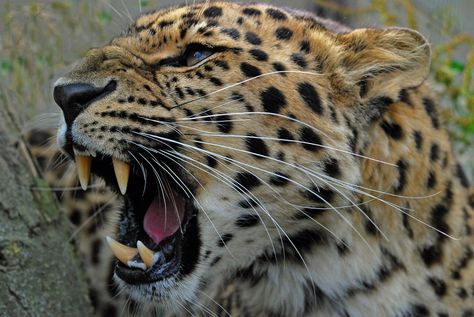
(40, 40)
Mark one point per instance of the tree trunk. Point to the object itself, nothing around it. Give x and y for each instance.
(40, 274)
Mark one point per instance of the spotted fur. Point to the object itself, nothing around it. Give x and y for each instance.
(328, 183)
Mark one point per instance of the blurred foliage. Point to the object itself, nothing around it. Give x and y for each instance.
(36, 42)
(453, 77)
(39, 40)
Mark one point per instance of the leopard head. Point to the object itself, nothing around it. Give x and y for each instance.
(228, 129)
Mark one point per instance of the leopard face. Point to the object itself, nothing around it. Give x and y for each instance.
(233, 131)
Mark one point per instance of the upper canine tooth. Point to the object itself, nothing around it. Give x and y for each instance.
(122, 252)
(145, 253)
(122, 172)
(83, 164)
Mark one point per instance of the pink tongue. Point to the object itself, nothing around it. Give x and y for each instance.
(163, 218)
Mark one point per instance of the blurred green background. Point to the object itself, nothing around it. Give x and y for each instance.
(40, 40)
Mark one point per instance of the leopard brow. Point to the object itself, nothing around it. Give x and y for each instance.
(173, 60)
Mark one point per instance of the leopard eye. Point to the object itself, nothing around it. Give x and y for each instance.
(196, 53)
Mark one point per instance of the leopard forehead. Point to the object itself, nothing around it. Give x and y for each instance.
(221, 21)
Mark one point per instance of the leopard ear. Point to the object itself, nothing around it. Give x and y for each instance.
(384, 61)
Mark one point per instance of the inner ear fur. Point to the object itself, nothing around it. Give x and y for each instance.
(384, 61)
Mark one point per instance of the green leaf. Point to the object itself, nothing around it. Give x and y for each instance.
(144, 3)
(104, 17)
(6, 67)
(457, 66)
(470, 128)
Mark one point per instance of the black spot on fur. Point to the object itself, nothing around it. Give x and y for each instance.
(233, 33)
(276, 14)
(463, 263)
(462, 176)
(216, 81)
(331, 167)
(215, 261)
(283, 33)
(462, 293)
(279, 179)
(369, 223)
(431, 254)
(251, 12)
(178, 91)
(418, 310)
(75, 217)
(310, 96)
(310, 212)
(402, 178)
(256, 145)
(305, 47)
(299, 60)
(393, 130)
(432, 112)
(342, 248)
(259, 55)
(164, 24)
(377, 106)
(431, 182)
(418, 139)
(283, 135)
(211, 161)
(250, 70)
(304, 241)
(253, 38)
(319, 195)
(438, 285)
(222, 64)
(225, 124)
(308, 135)
(225, 238)
(95, 251)
(404, 97)
(247, 221)
(434, 152)
(279, 67)
(406, 224)
(333, 112)
(249, 275)
(272, 100)
(207, 254)
(212, 12)
(246, 180)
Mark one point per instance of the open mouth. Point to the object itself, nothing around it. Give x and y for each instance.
(158, 236)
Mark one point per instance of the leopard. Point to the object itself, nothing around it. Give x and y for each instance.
(263, 161)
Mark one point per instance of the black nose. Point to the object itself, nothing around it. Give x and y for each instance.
(74, 98)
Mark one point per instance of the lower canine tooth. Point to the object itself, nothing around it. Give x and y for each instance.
(122, 252)
(145, 253)
(122, 172)
(83, 165)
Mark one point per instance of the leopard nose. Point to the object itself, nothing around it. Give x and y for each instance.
(74, 98)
